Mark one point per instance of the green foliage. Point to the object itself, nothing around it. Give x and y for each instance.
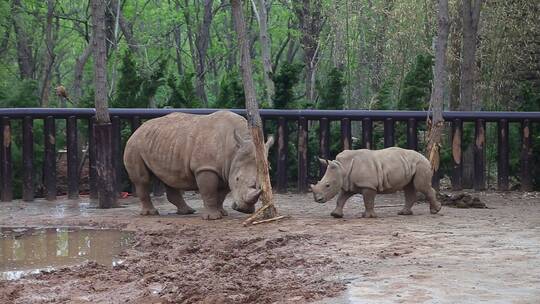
(182, 92)
(384, 100)
(23, 94)
(137, 87)
(331, 93)
(231, 92)
(417, 85)
(285, 81)
(531, 102)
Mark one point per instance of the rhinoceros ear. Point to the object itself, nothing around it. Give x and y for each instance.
(239, 140)
(323, 162)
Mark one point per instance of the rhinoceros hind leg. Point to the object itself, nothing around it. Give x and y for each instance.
(174, 196)
(369, 203)
(143, 193)
(410, 199)
(208, 182)
(434, 205)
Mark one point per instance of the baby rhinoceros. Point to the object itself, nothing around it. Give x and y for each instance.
(213, 154)
(376, 171)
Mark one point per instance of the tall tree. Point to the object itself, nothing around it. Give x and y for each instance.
(25, 55)
(254, 119)
(440, 79)
(471, 16)
(261, 9)
(311, 22)
(49, 57)
(103, 126)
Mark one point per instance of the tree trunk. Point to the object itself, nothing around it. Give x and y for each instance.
(253, 117)
(49, 57)
(439, 82)
(25, 56)
(471, 16)
(103, 127)
(262, 18)
(78, 72)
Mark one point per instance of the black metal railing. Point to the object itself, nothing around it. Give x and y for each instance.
(283, 119)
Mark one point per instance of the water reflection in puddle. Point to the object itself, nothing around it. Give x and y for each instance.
(31, 250)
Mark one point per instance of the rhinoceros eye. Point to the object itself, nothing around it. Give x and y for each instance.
(327, 185)
(237, 178)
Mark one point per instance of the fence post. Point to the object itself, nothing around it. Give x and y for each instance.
(49, 164)
(367, 133)
(479, 182)
(282, 153)
(6, 174)
(412, 134)
(503, 164)
(389, 133)
(324, 145)
(302, 155)
(526, 155)
(104, 160)
(28, 159)
(457, 159)
(116, 151)
(346, 137)
(92, 171)
(72, 158)
(135, 124)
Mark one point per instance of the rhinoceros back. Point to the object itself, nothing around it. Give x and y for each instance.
(385, 171)
(177, 146)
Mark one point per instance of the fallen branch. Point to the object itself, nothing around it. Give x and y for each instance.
(270, 220)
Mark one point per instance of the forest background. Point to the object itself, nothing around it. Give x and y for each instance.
(348, 54)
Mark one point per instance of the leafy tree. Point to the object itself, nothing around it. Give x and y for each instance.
(182, 92)
(285, 81)
(129, 84)
(331, 93)
(417, 85)
(231, 92)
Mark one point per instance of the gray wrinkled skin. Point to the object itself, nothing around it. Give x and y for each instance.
(213, 154)
(369, 172)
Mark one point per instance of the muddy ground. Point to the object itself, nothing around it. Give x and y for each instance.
(456, 256)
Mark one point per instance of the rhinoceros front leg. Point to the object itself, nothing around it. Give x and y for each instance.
(208, 183)
(340, 203)
(369, 203)
(174, 196)
(221, 198)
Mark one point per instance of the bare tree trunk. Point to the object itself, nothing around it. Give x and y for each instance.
(440, 78)
(103, 127)
(254, 119)
(471, 16)
(48, 61)
(25, 56)
(78, 72)
(262, 18)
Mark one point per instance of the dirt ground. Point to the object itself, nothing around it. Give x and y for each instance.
(457, 256)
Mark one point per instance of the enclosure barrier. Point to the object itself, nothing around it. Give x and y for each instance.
(283, 119)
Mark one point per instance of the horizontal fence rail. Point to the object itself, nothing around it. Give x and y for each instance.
(302, 135)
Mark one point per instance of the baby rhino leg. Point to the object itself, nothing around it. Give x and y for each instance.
(410, 199)
(369, 203)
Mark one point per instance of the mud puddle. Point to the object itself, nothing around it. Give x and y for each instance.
(26, 250)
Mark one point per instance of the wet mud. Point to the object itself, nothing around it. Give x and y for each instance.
(463, 255)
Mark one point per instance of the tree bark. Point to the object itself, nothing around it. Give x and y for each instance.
(440, 79)
(103, 127)
(49, 57)
(253, 117)
(471, 16)
(262, 18)
(25, 56)
(78, 71)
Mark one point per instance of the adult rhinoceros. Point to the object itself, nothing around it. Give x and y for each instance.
(213, 154)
